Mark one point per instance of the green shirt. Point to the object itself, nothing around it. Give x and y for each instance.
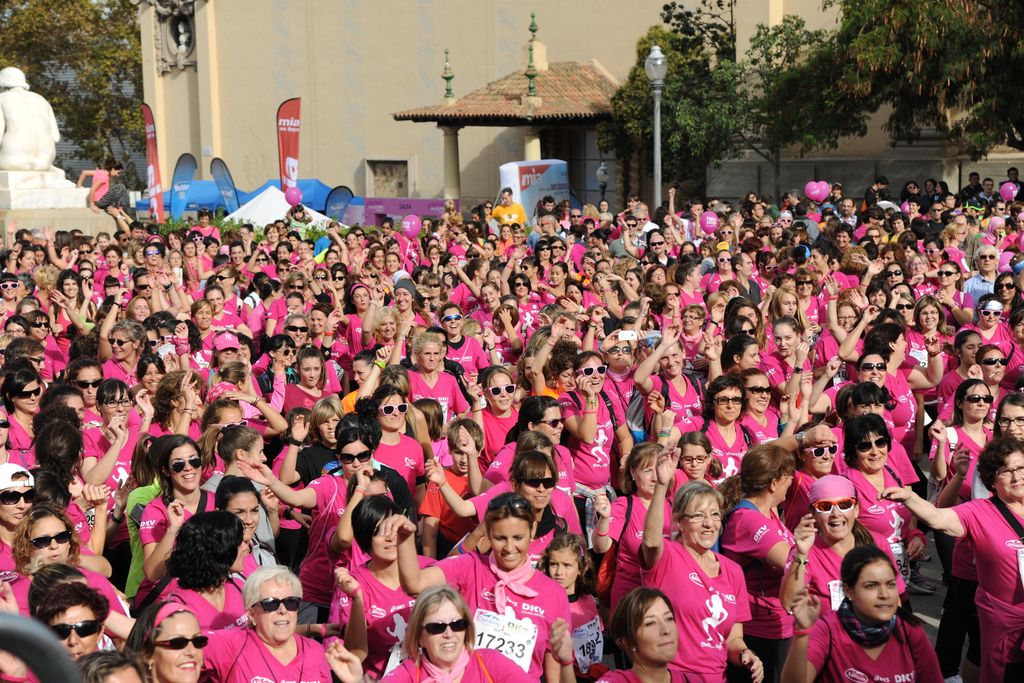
(137, 500)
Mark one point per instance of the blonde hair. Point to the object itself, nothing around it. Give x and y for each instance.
(428, 602)
(424, 338)
(322, 411)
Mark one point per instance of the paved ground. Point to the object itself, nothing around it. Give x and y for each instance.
(929, 607)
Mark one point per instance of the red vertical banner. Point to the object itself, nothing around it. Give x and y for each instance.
(154, 189)
(288, 142)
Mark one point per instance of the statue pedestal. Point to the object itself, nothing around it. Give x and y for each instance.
(40, 190)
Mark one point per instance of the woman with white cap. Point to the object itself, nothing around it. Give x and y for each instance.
(16, 496)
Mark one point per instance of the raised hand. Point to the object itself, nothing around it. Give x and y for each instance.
(175, 515)
(345, 581)
(804, 535)
(345, 665)
(299, 429)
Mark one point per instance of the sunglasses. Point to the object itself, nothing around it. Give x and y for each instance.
(619, 349)
(82, 628)
(436, 628)
(990, 312)
(537, 482)
(759, 390)
(657, 244)
(894, 273)
(554, 423)
(180, 643)
(865, 446)
(5, 424)
(517, 284)
(296, 328)
(14, 497)
(727, 232)
(508, 389)
(194, 462)
(575, 215)
(45, 541)
(804, 283)
(749, 331)
(904, 307)
(399, 408)
(40, 325)
(8, 285)
(269, 605)
(589, 372)
(822, 451)
(558, 247)
(947, 273)
(544, 248)
(826, 507)
(151, 252)
(1005, 285)
(27, 393)
(349, 458)
(141, 287)
(995, 361)
(724, 260)
(987, 257)
(455, 317)
(868, 367)
(119, 342)
(980, 398)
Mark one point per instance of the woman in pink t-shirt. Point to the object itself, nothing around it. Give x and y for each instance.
(429, 380)
(21, 392)
(312, 378)
(869, 638)
(270, 646)
(724, 401)
(683, 398)
(396, 449)
(756, 538)
(438, 645)
(644, 625)
(121, 344)
(993, 527)
(706, 590)
(500, 415)
(822, 539)
(500, 586)
(168, 642)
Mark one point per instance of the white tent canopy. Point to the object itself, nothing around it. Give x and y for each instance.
(269, 206)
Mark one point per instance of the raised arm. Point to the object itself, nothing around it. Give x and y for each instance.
(654, 521)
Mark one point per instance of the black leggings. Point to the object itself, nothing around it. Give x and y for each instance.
(959, 620)
(772, 653)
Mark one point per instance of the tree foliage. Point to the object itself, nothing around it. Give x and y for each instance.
(952, 65)
(84, 57)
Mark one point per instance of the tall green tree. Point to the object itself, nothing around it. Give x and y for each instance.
(84, 57)
(956, 66)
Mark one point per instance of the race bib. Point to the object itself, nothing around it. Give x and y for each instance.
(588, 641)
(512, 637)
(835, 594)
(901, 559)
(1020, 564)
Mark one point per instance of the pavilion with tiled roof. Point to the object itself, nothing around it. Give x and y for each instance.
(549, 95)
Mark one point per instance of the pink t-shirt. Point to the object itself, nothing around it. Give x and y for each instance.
(592, 461)
(463, 296)
(706, 608)
(153, 525)
(114, 370)
(630, 677)
(316, 571)
(684, 406)
(996, 546)
(386, 610)
(98, 582)
(8, 567)
(445, 391)
(232, 615)
(495, 430)
(729, 454)
(747, 539)
(499, 469)
(629, 534)
(908, 655)
(470, 355)
(762, 433)
(485, 666)
(406, 458)
(471, 576)
(223, 660)
(887, 518)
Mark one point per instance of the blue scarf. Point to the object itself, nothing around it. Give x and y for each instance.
(868, 636)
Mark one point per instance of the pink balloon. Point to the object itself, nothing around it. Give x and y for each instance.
(905, 208)
(709, 222)
(293, 196)
(824, 190)
(1004, 261)
(411, 225)
(1008, 191)
(811, 189)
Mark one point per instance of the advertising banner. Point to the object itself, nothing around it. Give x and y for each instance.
(154, 191)
(181, 180)
(531, 180)
(225, 184)
(288, 121)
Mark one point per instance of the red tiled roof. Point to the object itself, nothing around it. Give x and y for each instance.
(575, 92)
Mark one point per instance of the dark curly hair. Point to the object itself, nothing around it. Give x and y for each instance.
(58, 446)
(206, 547)
(994, 457)
(717, 386)
(46, 578)
(67, 595)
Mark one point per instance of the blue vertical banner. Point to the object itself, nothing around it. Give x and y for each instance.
(337, 202)
(181, 181)
(225, 184)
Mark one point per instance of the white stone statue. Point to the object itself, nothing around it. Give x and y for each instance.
(28, 128)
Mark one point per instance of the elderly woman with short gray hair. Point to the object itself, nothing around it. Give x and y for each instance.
(272, 647)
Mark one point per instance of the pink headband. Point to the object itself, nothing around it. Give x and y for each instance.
(168, 609)
(353, 288)
(832, 487)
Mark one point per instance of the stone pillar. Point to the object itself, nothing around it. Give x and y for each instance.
(531, 144)
(452, 172)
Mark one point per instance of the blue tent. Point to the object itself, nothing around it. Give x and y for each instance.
(203, 194)
(314, 192)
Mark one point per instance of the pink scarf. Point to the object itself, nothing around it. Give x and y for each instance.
(514, 580)
(436, 674)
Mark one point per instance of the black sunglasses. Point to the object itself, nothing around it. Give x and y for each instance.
(865, 446)
(995, 361)
(296, 328)
(759, 390)
(868, 367)
(13, 497)
(269, 605)
(180, 643)
(537, 482)
(349, 458)
(82, 628)
(436, 628)
(178, 466)
(83, 384)
(45, 541)
(26, 393)
(980, 398)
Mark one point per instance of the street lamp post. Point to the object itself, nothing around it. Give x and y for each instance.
(656, 68)
(602, 178)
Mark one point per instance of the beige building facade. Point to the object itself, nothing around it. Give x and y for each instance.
(215, 72)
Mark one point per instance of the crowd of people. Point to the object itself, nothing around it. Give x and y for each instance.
(593, 443)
